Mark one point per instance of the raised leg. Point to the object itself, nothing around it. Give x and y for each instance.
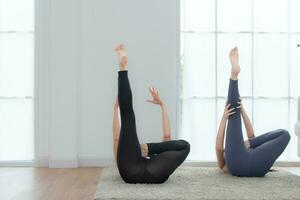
(129, 157)
(235, 152)
(129, 146)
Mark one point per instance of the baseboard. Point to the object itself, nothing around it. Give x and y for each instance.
(287, 164)
(63, 163)
(215, 164)
(19, 163)
(82, 161)
(93, 161)
(42, 161)
(200, 164)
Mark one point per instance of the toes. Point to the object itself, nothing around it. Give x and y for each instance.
(119, 47)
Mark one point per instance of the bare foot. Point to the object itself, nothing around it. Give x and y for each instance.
(144, 150)
(166, 138)
(122, 57)
(235, 65)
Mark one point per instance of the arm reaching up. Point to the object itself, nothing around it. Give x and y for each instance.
(247, 122)
(220, 138)
(165, 118)
(166, 123)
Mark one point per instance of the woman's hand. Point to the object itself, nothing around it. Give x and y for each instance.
(155, 97)
(241, 106)
(247, 122)
(228, 112)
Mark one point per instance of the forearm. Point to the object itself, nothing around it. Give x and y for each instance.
(165, 123)
(116, 130)
(220, 159)
(221, 134)
(220, 143)
(247, 123)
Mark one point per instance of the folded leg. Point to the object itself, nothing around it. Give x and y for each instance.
(259, 140)
(162, 165)
(263, 156)
(156, 148)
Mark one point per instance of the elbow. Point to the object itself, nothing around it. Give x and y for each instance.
(221, 165)
(224, 169)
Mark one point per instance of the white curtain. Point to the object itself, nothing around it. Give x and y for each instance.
(16, 80)
(267, 33)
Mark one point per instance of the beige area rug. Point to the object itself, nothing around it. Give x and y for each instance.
(201, 183)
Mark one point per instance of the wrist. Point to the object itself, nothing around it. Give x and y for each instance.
(224, 117)
(242, 110)
(162, 105)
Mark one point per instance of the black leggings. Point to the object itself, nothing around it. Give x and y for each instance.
(264, 149)
(165, 157)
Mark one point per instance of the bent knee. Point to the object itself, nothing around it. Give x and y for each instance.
(285, 134)
(185, 144)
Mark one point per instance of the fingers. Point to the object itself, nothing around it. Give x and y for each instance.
(153, 91)
(150, 89)
(240, 104)
(231, 109)
(119, 47)
(150, 101)
(231, 113)
(228, 105)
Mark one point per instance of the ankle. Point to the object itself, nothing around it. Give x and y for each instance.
(234, 77)
(122, 67)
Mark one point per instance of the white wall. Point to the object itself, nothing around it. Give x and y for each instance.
(77, 74)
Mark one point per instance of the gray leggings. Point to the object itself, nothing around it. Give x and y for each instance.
(264, 149)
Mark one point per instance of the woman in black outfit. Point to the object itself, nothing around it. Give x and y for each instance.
(146, 163)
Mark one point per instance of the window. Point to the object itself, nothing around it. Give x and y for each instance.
(267, 33)
(16, 80)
